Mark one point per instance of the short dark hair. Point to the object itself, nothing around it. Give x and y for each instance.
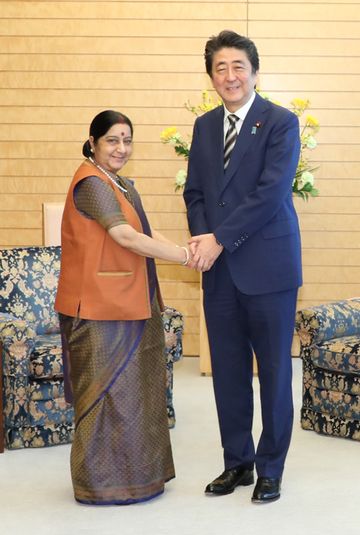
(101, 124)
(230, 39)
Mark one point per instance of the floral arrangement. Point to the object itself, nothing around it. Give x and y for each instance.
(303, 184)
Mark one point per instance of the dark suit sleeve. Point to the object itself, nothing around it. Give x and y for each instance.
(272, 188)
(193, 192)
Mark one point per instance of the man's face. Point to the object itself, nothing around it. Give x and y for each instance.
(232, 77)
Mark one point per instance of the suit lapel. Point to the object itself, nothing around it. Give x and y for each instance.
(246, 137)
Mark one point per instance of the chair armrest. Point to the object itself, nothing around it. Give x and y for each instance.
(17, 338)
(325, 322)
(173, 330)
(17, 341)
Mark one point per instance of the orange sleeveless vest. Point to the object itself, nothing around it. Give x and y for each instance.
(99, 279)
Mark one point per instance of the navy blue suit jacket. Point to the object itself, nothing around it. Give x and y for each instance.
(249, 207)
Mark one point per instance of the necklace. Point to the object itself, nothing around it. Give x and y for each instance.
(107, 174)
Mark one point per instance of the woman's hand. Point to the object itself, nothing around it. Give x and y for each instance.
(153, 247)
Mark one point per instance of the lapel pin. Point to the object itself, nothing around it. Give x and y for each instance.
(254, 128)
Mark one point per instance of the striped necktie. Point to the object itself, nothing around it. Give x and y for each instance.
(230, 139)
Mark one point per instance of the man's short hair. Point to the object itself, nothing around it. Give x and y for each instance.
(230, 39)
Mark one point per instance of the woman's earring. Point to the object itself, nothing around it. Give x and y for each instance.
(92, 150)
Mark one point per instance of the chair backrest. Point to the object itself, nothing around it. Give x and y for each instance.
(28, 283)
(52, 215)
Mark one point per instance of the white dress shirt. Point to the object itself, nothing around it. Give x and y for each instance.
(241, 113)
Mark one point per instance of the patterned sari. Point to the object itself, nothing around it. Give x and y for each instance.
(121, 452)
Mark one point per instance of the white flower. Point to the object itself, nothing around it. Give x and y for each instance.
(311, 142)
(306, 178)
(180, 178)
(173, 140)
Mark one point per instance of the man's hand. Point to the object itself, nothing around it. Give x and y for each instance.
(205, 251)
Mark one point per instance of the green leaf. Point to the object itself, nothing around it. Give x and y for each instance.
(182, 151)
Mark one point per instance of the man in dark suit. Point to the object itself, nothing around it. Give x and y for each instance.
(246, 241)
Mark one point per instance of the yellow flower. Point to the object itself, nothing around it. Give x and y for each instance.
(208, 103)
(300, 103)
(312, 121)
(168, 133)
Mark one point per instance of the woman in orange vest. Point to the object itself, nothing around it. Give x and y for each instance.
(109, 306)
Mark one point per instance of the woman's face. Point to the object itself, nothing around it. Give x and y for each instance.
(113, 150)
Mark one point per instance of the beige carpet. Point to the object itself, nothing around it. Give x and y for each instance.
(320, 487)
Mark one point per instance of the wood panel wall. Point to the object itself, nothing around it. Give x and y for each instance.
(61, 62)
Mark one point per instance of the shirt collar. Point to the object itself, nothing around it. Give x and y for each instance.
(241, 112)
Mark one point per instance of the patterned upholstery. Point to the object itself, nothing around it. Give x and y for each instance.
(330, 349)
(35, 411)
(173, 327)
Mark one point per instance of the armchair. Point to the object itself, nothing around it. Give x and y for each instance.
(34, 409)
(330, 350)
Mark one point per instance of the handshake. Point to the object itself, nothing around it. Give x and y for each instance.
(203, 251)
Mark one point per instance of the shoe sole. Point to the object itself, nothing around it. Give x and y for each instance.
(269, 500)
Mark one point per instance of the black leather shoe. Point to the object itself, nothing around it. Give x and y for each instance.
(229, 480)
(267, 489)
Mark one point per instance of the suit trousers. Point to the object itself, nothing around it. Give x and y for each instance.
(239, 325)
